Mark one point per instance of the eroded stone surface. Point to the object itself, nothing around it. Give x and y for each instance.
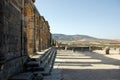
(21, 32)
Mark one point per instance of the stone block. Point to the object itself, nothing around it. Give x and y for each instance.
(32, 69)
(38, 76)
(23, 76)
(33, 64)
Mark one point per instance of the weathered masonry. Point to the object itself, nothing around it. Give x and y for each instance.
(23, 34)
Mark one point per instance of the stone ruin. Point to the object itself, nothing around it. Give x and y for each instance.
(26, 52)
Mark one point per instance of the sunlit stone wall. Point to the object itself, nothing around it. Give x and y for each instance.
(23, 32)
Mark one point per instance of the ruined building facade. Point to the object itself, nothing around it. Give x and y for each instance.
(23, 32)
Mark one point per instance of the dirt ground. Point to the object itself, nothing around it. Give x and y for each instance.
(95, 65)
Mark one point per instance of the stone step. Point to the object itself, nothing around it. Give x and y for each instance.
(34, 69)
(38, 77)
(1, 75)
(32, 64)
(47, 60)
(46, 71)
(43, 65)
(49, 66)
(23, 76)
(43, 58)
(27, 76)
(39, 55)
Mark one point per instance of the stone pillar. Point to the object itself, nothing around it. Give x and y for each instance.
(39, 42)
(29, 19)
(37, 32)
(41, 32)
(47, 35)
(107, 50)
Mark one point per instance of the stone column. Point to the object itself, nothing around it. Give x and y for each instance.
(29, 19)
(37, 32)
(41, 32)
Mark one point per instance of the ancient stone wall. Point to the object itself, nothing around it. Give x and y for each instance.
(23, 32)
(2, 57)
(11, 34)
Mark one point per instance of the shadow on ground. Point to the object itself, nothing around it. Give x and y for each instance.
(91, 74)
(75, 70)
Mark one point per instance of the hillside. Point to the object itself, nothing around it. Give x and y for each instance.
(83, 40)
(63, 37)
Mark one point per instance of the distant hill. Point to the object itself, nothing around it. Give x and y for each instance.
(63, 37)
(83, 40)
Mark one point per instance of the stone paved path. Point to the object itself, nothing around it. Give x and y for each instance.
(71, 65)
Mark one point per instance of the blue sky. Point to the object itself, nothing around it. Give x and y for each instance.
(97, 18)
